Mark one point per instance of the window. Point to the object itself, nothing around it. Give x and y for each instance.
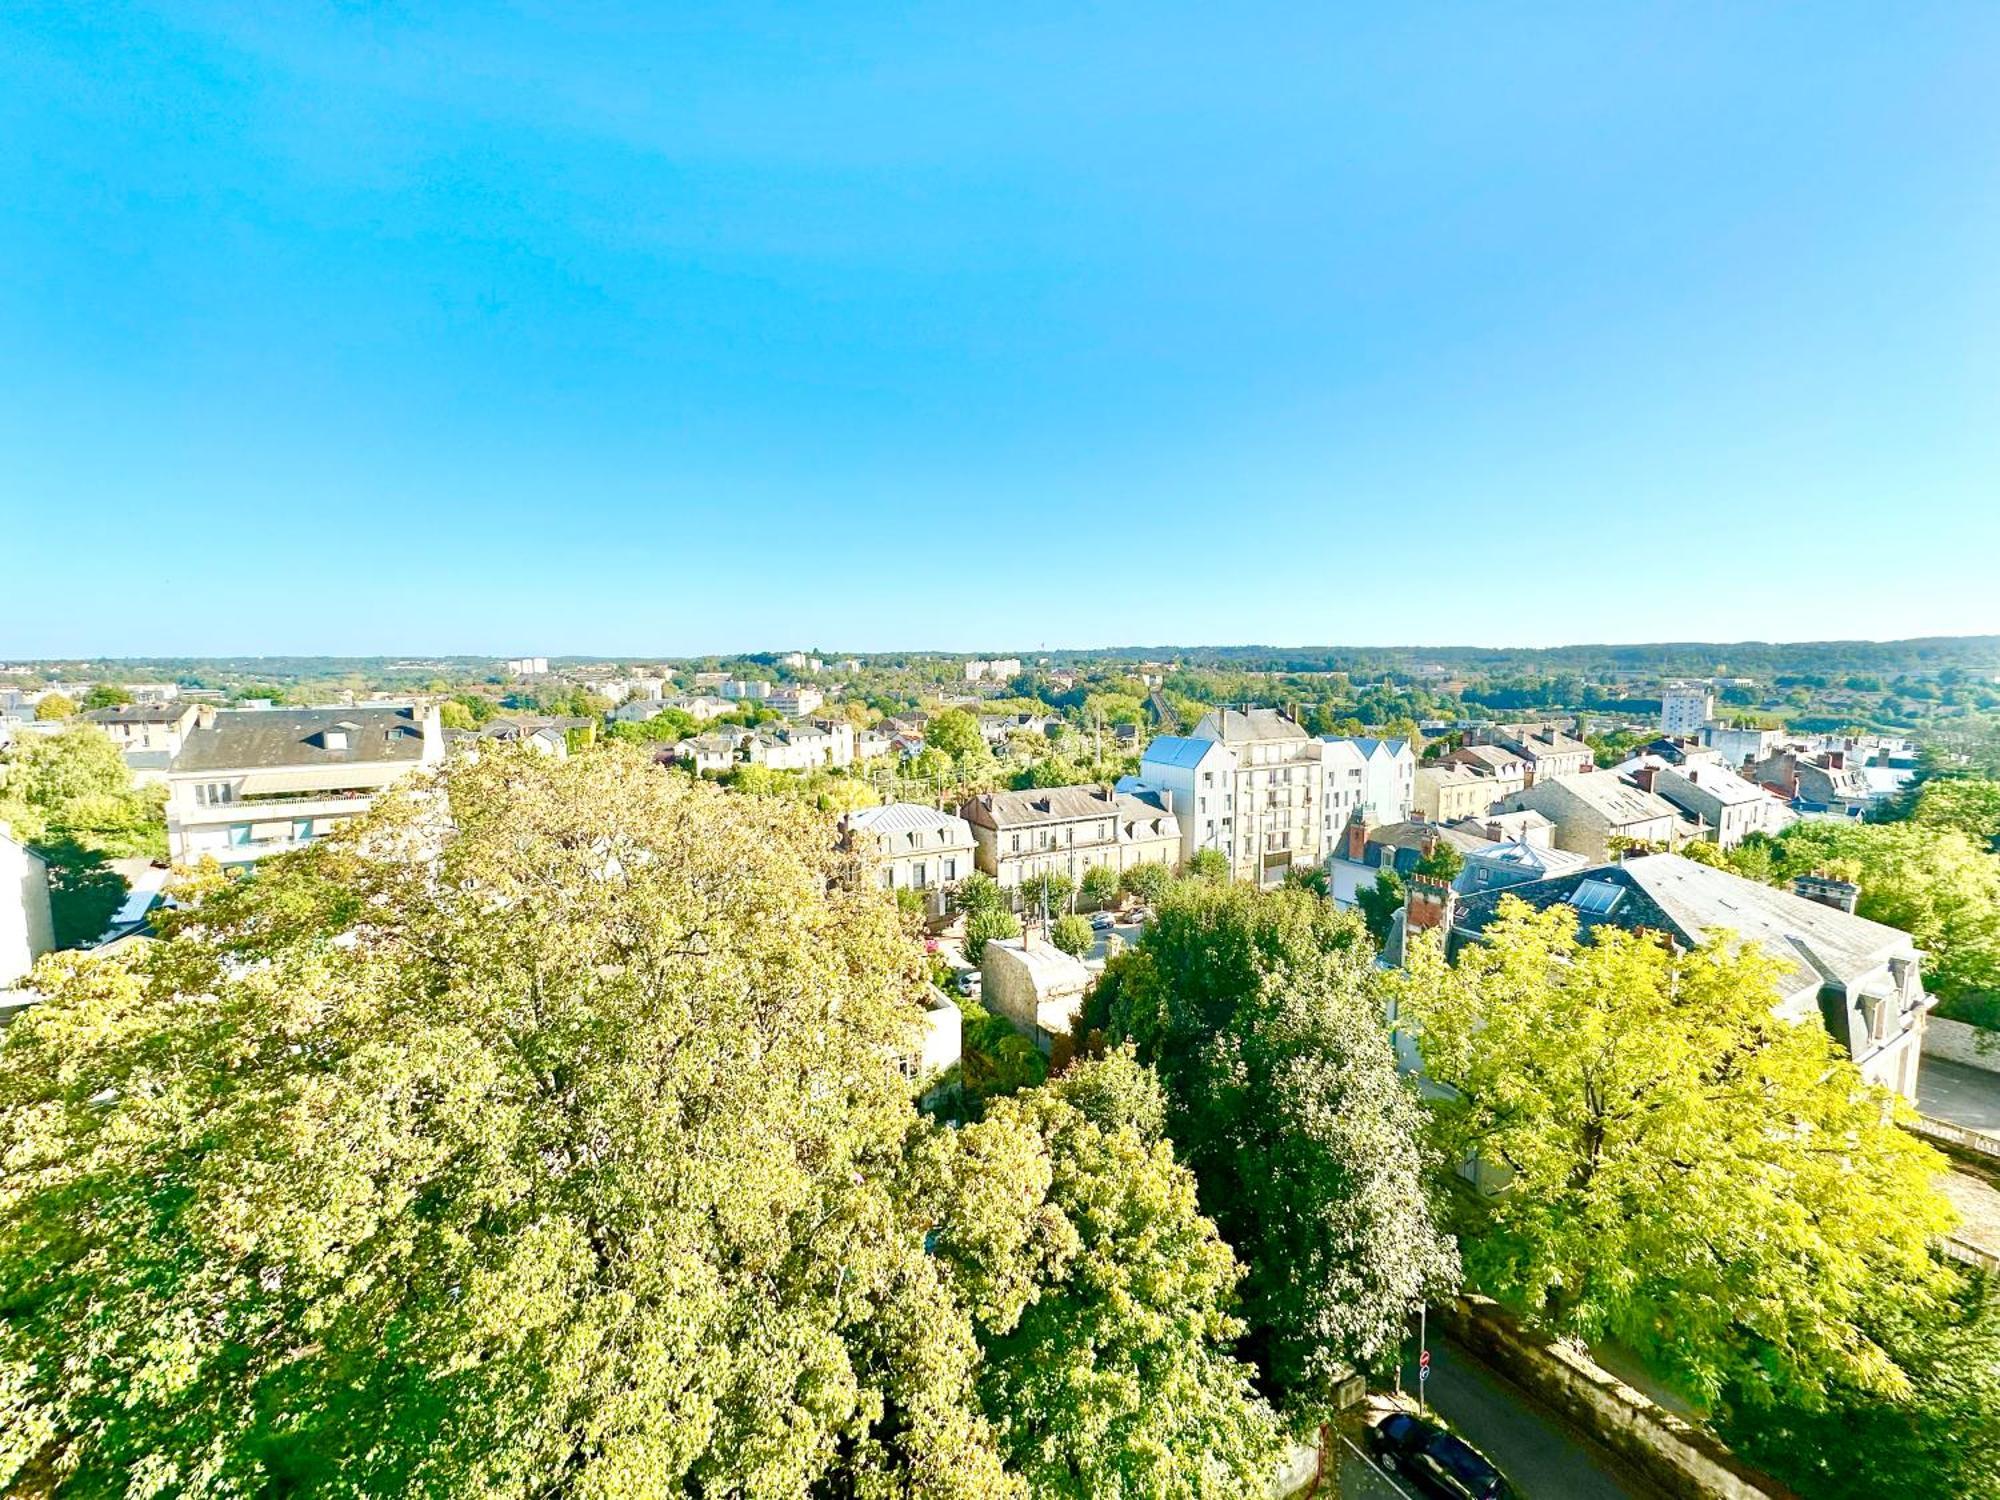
(1014, 845)
(1596, 897)
(950, 870)
(919, 874)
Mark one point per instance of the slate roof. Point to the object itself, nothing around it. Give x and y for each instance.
(1497, 759)
(258, 739)
(1053, 804)
(1670, 893)
(1618, 803)
(1232, 724)
(906, 817)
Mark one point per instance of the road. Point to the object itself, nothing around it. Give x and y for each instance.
(1544, 1457)
(1958, 1094)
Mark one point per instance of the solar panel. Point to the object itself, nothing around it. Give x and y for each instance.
(1596, 897)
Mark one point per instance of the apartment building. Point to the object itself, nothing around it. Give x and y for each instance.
(795, 699)
(1507, 771)
(1067, 829)
(1446, 793)
(161, 726)
(1685, 708)
(1594, 807)
(255, 782)
(1726, 806)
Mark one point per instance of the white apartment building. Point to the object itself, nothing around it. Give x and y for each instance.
(999, 669)
(739, 689)
(1685, 708)
(1065, 830)
(797, 700)
(255, 782)
(528, 666)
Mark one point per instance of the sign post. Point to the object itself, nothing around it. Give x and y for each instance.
(1423, 1356)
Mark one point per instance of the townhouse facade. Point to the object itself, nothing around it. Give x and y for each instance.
(1591, 808)
(1067, 830)
(907, 846)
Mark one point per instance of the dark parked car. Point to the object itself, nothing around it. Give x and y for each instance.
(1434, 1461)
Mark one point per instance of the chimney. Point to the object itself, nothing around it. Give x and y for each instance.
(1643, 777)
(1428, 903)
(1357, 840)
(1841, 895)
(1834, 760)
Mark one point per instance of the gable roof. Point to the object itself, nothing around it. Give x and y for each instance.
(906, 817)
(254, 739)
(1178, 750)
(140, 713)
(1670, 893)
(1618, 802)
(1232, 724)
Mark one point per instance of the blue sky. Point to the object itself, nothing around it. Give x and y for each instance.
(570, 327)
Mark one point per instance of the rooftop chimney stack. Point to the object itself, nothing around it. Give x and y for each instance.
(1841, 895)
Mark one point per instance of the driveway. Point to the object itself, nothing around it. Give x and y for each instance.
(1958, 1094)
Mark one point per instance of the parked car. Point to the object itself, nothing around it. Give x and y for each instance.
(1101, 921)
(1436, 1461)
(969, 982)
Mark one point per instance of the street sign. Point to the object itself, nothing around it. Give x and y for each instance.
(1423, 1366)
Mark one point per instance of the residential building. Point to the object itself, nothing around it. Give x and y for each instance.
(1685, 708)
(528, 666)
(798, 661)
(1066, 829)
(713, 752)
(1591, 808)
(1387, 785)
(996, 728)
(736, 688)
(871, 743)
(1740, 747)
(254, 782)
(1510, 862)
(999, 669)
(1726, 806)
(1247, 783)
(159, 726)
(1526, 826)
(1508, 772)
(1036, 986)
(1364, 852)
(796, 699)
(800, 747)
(907, 846)
(1445, 793)
(1544, 750)
(545, 735)
(27, 930)
(1826, 782)
(1860, 979)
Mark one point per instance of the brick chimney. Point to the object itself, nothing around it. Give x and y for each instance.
(1841, 895)
(1428, 903)
(1643, 777)
(1357, 840)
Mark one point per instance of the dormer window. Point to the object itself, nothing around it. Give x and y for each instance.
(334, 739)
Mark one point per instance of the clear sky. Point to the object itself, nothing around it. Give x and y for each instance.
(668, 328)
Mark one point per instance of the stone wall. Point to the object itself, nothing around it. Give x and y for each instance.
(1957, 1042)
(1682, 1460)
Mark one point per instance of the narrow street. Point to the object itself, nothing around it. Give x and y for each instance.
(1543, 1455)
(1959, 1094)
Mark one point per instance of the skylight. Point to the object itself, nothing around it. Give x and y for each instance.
(1596, 897)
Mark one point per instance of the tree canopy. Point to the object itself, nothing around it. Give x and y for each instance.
(1101, 1294)
(1256, 1009)
(539, 1130)
(1683, 1169)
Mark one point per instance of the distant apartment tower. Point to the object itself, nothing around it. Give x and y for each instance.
(1685, 707)
(999, 669)
(528, 666)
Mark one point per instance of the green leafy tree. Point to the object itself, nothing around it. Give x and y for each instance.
(1072, 934)
(54, 706)
(983, 927)
(1147, 882)
(1379, 903)
(1102, 1295)
(1941, 1438)
(1054, 886)
(536, 1138)
(1309, 878)
(994, 1058)
(1099, 885)
(1969, 804)
(455, 715)
(978, 892)
(1933, 882)
(1256, 1009)
(1208, 864)
(1684, 1170)
(1442, 862)
(105, 695)
(955, 732)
